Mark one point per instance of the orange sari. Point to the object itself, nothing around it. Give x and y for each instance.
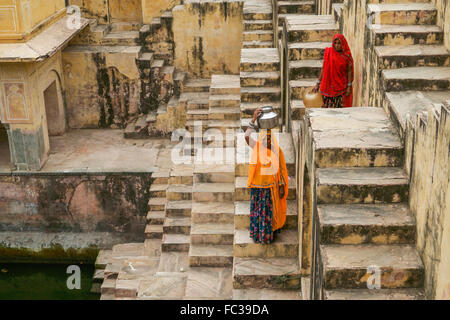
(268, 170)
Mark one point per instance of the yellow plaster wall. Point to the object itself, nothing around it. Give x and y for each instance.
(155, 8)
(86, 72)
(20, 18)
(93, 9)
(130, 10)
(208, 37)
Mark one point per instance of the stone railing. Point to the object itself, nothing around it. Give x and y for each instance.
(283, 48)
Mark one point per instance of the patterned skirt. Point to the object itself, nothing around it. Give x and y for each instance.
(261, 215)
(333, 102)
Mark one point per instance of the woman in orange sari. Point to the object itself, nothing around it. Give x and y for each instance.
(269, 185)
(336, 78)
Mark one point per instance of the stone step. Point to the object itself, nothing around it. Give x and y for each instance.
(307, 50)
(253, 25)
(175, 242)
(103, 258)
(198, 104)
(311, 32)
(298, 109)
(260, 94)
(197, 114)
(157, 64)
(394, 57)
(121, 38)
(156, 217)
(197, 85)
(361, 224)
(185, 97)
(258, 35)
(212, 212)
(157, 204)
(225, 101)
(224, 113)
(243, 193)
(161, 177)
(158, 190)
(181, 174)
(214, 173)
(260, 79)
(297, 7)
(177, 192)
(177, 225)
(363, 137)
(416, 78)
(298, 87)
(213, 192)
(108, 287)
(301, 69)
(402, 103)
(257, 10)
(153, 231)
(212, 233)
(285, 246)
(381, 294)
(257, 44)
(225, 85)
(349, 266)
(266, 294)
(403, 13)
(260, 60)
(391, 35)
(201, 255)
(242, 215)
(261, 273)
(145, 60)
(248, 109)
(179, 208)
(361, 185)
(224, 126)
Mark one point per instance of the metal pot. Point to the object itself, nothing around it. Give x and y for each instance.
(268, 118)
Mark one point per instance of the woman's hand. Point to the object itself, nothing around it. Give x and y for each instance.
(316, 88)
(281, 191)
(256, 114)
(348, 91)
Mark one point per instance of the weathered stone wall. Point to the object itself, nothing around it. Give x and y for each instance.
(443, 7)
(26, 111)
(155, 8)
(129, 10)
(428, 164)
(115, 205)
(353, 27)
(208, 37)
(93, 9)
(103, 86)
(325, 6)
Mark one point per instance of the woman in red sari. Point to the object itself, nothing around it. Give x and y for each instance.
(336, 78)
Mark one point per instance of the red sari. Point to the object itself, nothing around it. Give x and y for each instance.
(335, 72)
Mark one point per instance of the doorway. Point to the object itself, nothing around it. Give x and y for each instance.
(55, 118)
(5, 154)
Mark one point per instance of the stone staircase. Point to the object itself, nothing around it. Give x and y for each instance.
(413, 63)
(362, 225)
(307, 38)
(269, 271)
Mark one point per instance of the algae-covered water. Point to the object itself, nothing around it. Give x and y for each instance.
(44, 282)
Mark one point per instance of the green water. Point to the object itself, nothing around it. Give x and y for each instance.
(43, 282)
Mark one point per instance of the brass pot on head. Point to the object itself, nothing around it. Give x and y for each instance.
(312, 99)
(268, 119)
